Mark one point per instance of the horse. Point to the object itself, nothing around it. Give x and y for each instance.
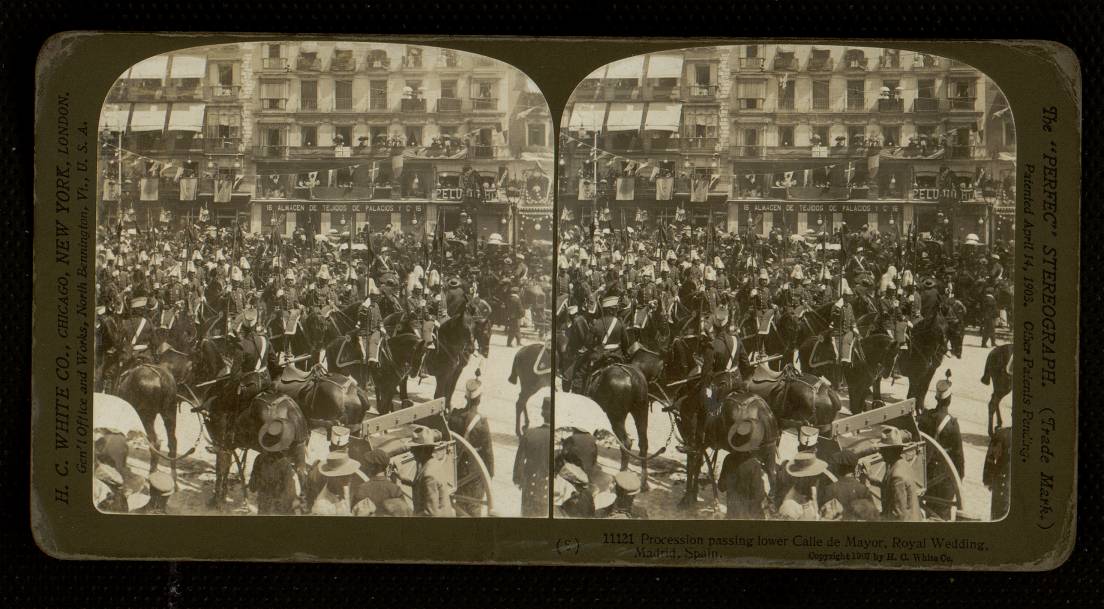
(996, 370)
(704, 430)
(621, 390)
(923, 357)
(796, 398)
(533, 300)
(397, 362)
(448, 360)
(871, 361)
(235, 420)
(524, 369)
(326, 399)
(151, 390)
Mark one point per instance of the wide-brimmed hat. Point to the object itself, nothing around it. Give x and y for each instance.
(161, 483)
(338, 464)
(424, 436)
(627, 482)
(805, 465)
(276, 436)
(745, 435)
(928, 283)
(892, 438)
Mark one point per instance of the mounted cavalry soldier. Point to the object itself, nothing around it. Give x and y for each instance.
(608, 339)
(730, 359)
(795, 300)
(288, 306)
(235, 302)
(578, 342)
(369, 331)
(142, 339)
(258, 358)
(325, 297)
(763, 305)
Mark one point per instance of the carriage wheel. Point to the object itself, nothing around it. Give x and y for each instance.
(484, 504)
(949, 473)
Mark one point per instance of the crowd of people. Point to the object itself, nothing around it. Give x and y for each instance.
(163, 296)
(621, 289)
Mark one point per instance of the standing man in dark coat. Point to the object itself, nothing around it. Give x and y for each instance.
(531, 466)
(515, 310)
(474, 427)
(943, 428)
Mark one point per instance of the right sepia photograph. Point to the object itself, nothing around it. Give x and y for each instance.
(785, 287)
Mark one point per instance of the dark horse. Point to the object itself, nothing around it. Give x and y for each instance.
(151, 390)
(397, 361)
(326, 399)
(716, 431)
(235, 419)
(524, 369)
(925, 354)
(621, 390)
(871, 361)
(996, 370)
(448, 360)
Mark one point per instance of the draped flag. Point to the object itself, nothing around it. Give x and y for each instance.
(396, 166)
(626, 189)
(872, 163)
(665, 188)
(149, 189)
(223, 188)
(188, 188)
(699, 190)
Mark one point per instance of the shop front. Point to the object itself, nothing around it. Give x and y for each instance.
(798, 217)
(321, 217)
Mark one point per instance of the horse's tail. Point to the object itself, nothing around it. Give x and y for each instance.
(513, 378)
(985, 374)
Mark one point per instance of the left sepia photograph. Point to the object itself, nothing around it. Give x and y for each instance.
(323, 282)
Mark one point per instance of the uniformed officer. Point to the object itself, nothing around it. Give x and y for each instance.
(989, 315)
(369, 330)
(763, 305)
(842, 327)
(258, 358)
(143, 336)
(474, 427)
(235, 302)
(626, 488)
(943, 428)
(514, 312)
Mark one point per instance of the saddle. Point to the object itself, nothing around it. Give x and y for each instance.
(763, 374)
(357, 358)
(292, 374)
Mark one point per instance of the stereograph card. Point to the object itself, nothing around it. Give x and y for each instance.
(557, 301)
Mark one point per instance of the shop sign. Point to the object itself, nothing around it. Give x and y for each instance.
(338, 207)
(943, 195)
(461, 194)
(831, 208)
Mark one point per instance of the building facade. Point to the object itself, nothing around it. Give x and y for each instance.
(794, 138)
(334, 136)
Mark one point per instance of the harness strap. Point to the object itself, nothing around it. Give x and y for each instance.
(260, 354)
(471, 424)
(138, 332)
(942, 424)
(609, 331)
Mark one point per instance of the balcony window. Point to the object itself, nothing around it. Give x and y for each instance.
(856, 95)
(413, 136)
(785, 61)
(343, 95)
(343, 61)
(820, 60)
(819, 137)
(786, 136)
(273, 59)
(413, 58)
(308, 135)
(377, 95)
(751, 94)
(924, 61)
(820, 94)
(786, 90)
(750, 142)
(308, 95)
(343, 135)
(891, 59)
(961, 94)
(700, 130)
(378, 60)
(223, 133)
(448, 59)
(751, 61)
(273, 95)
(535, 134)
(308, 61)
(891, 136)
(484, 95)
(890, 97)
(413, 99)
(703, 85)
(856, 137)
(855, 59)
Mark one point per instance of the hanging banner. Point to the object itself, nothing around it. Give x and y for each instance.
(626, 189)
(396, 167)
(699, 190)
(665, 188)
(223, 189)
(188, 188)
(149, 188)
(111, 190)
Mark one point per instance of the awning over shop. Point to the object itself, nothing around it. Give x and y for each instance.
(188, 66)
(186, 117)
(665, 66)
(587, 116)
(114, 117)
(148, 117)
(663, 117)
(624, 117)
(632, 67)
(925, 170)
(149, 69)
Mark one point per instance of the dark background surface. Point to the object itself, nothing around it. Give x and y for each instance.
(32, 579)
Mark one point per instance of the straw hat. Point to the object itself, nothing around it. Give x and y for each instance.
(338, 464)
(276, 436)
(745, 436)
(806, 465)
